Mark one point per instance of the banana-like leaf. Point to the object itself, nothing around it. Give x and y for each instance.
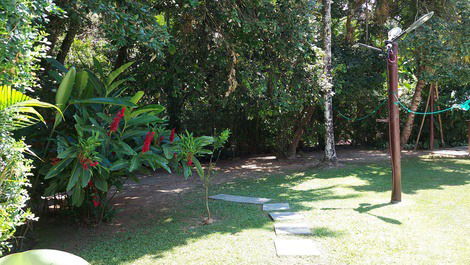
(110, 101)
(81, 82)
(95, 86)
(115, 85)
(114, 74)
(154, 108)
(63, 93)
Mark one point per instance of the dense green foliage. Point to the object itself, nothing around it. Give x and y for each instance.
(22, 40)
(253, 66)
(16, 111)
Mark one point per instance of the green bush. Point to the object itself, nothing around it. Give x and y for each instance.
(14, 172)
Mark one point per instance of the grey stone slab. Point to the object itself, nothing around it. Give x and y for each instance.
(241, 199)
(282, 216)
(275, 206)
(297, 247)
(292, 229)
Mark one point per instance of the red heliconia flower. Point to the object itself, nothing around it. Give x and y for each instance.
(85, 166)
(96, 203)
(148, 141)
(115, 124)
(190, 160)
(90, 183)
(172, 135)
(94, 164)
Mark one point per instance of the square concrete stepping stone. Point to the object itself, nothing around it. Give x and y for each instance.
(296, 247)
(292, 229)
(241, 199)
(275, 206)
(282, 216)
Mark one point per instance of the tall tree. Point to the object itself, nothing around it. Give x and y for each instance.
(330, 151)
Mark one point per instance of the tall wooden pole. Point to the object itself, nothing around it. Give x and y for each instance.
(394, 121)
(431, 118)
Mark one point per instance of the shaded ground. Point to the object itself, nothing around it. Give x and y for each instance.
(160, 194)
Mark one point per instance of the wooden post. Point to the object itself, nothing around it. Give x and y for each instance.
(422, 123)
(431, 118)
(443, 144)
(394, 121)
(468, 133)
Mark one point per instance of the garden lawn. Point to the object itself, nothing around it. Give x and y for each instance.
(347, 207)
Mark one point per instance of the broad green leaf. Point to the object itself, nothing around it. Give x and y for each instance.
(77, 196)
(154, 108)
(137, 96)
(167, 151)
(125, 148)
(144, 120)
(118, 165)
(162, 162)
(68, 152)
(85, 177)
(133, 133)
(95, 86)
(199, 169)
(101, 184)
(58, 168)
(115, 85)
(135, 163)
(74, 176)
(186, 170)
(114, 74)
(110, 101)
(81, 82)
(63, 93)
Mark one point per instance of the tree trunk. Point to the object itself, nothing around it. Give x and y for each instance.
(72, 31)
(122, 57)
(330, 152)
(417, 97)
(299, 131)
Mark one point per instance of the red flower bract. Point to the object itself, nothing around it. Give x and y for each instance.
(55, 160)
(148, 141)
(115, 124)
(172, 135)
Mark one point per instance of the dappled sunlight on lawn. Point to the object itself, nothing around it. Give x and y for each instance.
(348, 209)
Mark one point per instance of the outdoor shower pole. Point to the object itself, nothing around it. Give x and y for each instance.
(394, 120)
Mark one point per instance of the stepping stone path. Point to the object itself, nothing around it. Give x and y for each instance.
(283, 216)
(241, 199)
(285, 246)
(292, 229)
(275, 206)
(296, 247)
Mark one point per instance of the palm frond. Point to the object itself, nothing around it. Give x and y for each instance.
(22, 106)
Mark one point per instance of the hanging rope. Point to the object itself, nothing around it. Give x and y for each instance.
(463, 106)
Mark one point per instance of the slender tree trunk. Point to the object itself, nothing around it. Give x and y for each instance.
(299, 131)
(417, 97)
(330, 152)
(74, 27)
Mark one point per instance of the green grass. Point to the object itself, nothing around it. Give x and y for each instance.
(347, 207)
